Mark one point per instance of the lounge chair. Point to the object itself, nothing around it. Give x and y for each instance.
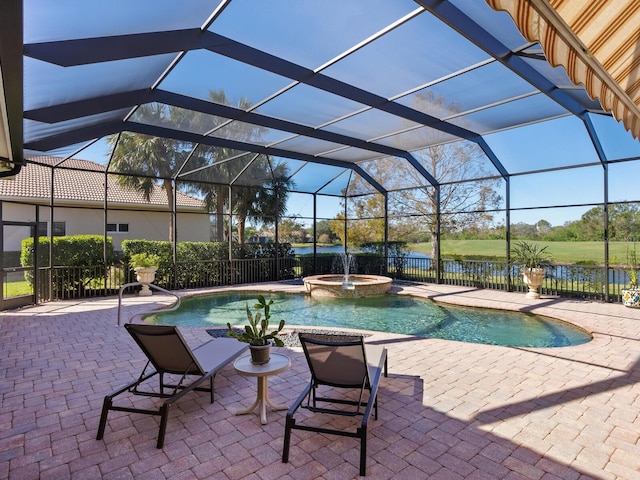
(341, 362)
(168, 353)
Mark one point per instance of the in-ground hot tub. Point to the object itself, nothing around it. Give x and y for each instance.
(351, 286)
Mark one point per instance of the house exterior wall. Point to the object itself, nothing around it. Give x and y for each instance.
(17, 212)
(193, 227)
(148, 225)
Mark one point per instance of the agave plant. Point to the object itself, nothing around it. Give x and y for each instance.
(530, 255)
(257, 331)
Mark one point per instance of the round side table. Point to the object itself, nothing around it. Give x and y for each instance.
(277, 363)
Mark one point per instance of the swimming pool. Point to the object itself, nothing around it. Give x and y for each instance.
(386, 313)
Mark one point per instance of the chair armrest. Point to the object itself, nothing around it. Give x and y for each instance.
(376, 359)
(375, 374)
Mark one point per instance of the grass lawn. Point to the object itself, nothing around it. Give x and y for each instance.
(14, 289)
(562, 252)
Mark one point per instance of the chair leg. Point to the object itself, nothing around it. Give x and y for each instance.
(211, 385)
(164, 416)
(363, 451)
(287, 438)
(103, 417)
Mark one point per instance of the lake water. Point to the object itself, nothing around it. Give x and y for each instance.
(615, 276)
(338, 249)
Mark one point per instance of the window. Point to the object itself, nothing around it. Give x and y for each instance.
(118, 227)
(59, 229)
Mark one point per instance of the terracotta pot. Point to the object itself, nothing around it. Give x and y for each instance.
(260, 354)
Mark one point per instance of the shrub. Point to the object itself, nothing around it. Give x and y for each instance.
(82, 251)
(162, 249)
(144, 260)
(206, 263)
(397, 252)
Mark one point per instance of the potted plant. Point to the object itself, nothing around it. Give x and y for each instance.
(145, 265)
(533, 261)
(257, 333)
(631, 295)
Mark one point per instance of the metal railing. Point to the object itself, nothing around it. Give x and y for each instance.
(582, 281)
(174, 306)
(587, 282)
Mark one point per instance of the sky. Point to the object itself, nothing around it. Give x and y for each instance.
(560, 142)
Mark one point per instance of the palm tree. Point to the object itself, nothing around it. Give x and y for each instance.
(265, 201)
(143, 159)
(217, 195)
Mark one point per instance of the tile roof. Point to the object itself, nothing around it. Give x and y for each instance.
(80, 181)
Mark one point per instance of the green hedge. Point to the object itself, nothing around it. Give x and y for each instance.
(82, 251)
(207, 262)
(72, 250)
(369, 260)
(324, 264)
(12, 259)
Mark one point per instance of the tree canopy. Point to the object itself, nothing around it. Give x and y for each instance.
(260, 184)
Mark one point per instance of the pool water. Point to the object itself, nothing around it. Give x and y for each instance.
(385, 313)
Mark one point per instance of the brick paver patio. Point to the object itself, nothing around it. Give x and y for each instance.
(448, 410)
